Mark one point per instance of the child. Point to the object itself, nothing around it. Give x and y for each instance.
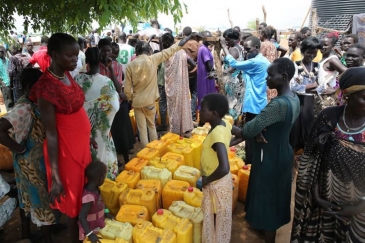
(217, 179)
(91, 216)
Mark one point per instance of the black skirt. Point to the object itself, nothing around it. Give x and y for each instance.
(122, 130)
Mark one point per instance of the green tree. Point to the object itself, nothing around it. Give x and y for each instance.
(251, 24)
(76, 16)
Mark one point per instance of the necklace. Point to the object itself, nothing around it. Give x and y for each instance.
(347, 127)
(54, 75)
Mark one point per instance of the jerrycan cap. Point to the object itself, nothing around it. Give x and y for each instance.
(160, 211)
(131, 172)
(245, 167)
(233, 149)
(181, 138)
(190, 189)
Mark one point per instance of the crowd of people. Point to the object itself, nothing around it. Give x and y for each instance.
(68, 117)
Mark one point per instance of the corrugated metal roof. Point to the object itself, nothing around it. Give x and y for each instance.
(327, 9)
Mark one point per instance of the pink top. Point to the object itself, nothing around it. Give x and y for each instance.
(95, 216)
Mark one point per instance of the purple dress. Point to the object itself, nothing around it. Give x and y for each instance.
(205, 85)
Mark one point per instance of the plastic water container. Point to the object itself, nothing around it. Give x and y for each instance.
(148, 153)
(202, 131)
(114, 229)
(193, 196)
(133, 214)
(160, 145)
(145, 232)
(101, 240)
(188, 174)
(142, 198)
(136, 164)
(133, 121)
(198, 138)
(150, 172)
(173, 191)
(161, 163)
(185, 150)
(235, 188)
(120, 240)
(197, 146)
(129, 177)
(183, 229)
(158, 115)
(235, 164)
(232, 153)
(179, 158)
(243, 176)
(110, 192)
(170, 137)
(152, 185)
(195, 215)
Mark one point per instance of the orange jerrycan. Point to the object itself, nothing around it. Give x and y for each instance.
(235, 188)
(197, 147)
(232, 153)
(170, 137)
(150, 172)
(161, 163)
(114, 229)
(193, 196)
(235, 164)
(185, 150)
(148, 153)
(133, 214)
(142, 198)
(129, 177)
(243, 176)
(152, 185)
(195, 215)
(188, 174)
(145, 232)
(179, 158)
(173, 191)
(110, 192)
(160, 145)
(183, 229)
(136, 164)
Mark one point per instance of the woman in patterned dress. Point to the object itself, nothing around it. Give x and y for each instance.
(177, 88)
(269, 51)
(235, 86)
(101, 105)
(330, 195)
(26, 141)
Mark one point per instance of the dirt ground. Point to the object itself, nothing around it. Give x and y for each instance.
(241, 232)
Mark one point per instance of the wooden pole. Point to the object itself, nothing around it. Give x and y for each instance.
(306, 16)
(264, 11)
(314, 22)
(257, 26)
(229, 18)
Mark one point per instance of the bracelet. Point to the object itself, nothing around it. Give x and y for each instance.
(88, 234)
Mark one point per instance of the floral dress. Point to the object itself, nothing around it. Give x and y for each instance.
(101, 105)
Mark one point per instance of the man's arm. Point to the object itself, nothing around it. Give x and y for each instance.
(240, 65)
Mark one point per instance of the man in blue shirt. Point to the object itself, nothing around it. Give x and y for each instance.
(254, 73)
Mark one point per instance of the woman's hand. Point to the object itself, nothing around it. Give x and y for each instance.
(123, 96)
(93, 238)
(329, 91)
(56, 189)
(222, 41)
(93, 143)
(260, 138)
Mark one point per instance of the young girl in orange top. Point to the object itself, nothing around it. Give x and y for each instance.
(217, 179)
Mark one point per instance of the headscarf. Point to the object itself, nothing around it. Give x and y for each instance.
(352, 80)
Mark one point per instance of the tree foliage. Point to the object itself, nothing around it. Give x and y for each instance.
(251, 24)
(76, 16)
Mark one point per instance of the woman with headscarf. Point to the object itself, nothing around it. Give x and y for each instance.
(330, 195)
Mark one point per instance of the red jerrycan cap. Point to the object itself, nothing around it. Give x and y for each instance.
(160, 211)
(245, 167)
(190, 189)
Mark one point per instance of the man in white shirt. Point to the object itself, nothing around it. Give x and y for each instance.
(125, 51)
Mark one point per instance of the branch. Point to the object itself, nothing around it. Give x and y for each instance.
(264, 11)
(229, 18)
